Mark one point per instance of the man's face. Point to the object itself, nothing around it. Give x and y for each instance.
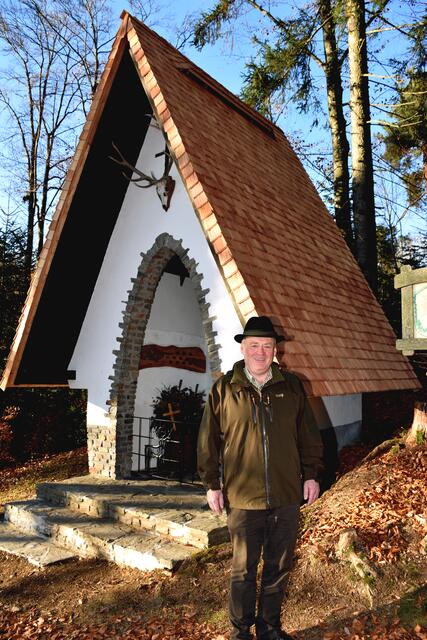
(258, 354)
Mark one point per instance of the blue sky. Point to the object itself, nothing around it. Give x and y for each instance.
(225, 61)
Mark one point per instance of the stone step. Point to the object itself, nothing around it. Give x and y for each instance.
(37, 550)
(94, 537)
(167, 507)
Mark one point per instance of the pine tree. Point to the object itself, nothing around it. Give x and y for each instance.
(406, 136)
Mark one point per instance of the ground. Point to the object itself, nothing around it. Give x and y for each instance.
(383, 499)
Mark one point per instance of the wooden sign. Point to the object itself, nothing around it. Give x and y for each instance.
(413, 283)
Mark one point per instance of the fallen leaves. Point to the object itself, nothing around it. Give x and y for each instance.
(32, 626)
(72, 461)
(381, 512)
(370, 628)
(385, 502)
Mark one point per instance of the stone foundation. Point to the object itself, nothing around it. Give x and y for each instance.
(101, 446)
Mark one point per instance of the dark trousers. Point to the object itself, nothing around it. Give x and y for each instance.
(272, 532)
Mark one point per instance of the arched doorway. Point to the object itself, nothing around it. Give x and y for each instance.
(165, 264)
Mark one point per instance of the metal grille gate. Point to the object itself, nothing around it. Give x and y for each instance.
(173, 455)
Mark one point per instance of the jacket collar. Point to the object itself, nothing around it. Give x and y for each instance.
(238, 375)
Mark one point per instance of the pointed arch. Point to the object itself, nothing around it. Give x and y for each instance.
(126, 366)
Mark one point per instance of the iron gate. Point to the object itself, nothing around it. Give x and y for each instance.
(173, 455)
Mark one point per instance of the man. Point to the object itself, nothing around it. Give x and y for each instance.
(258, 426)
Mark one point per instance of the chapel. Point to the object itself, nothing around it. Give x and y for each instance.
(184, 213)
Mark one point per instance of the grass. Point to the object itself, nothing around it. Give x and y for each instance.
(217, 618)
(118, 601)
(413, 608)
(420, 437)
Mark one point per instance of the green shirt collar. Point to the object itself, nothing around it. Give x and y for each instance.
(254, 382)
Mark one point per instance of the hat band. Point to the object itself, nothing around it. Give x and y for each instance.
(259, 334)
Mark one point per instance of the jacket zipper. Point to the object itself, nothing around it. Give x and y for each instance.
(266, 454)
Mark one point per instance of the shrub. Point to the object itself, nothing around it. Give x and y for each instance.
(34, 422)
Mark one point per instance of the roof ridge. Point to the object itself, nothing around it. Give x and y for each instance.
(211, 82)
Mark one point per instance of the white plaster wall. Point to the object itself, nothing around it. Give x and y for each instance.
(340, 414)
(337, 411)
(343, 410)
(140, 222)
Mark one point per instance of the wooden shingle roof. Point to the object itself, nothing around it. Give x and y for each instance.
(279, 250)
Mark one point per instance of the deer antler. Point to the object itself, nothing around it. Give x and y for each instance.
(151, 180)
(168, 160)
(165, 185)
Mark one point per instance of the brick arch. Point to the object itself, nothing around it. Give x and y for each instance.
(135, 319)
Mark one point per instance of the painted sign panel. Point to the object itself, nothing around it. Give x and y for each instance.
(190, 358)
(420, 310)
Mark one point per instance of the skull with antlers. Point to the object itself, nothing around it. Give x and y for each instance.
(165, 185)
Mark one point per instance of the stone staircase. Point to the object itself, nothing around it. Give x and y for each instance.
(144, 524)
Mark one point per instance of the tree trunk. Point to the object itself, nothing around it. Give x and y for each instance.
(28, 261)
(340, 146)
(361, 148)
(424, 148)
(418, 432)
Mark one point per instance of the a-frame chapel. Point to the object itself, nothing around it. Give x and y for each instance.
(131, 293)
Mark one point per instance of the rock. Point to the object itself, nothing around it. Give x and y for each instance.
(346, 551)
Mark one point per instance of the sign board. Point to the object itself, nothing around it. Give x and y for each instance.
(413, 283)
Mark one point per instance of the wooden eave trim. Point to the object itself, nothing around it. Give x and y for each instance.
(55, 385)
(232, 277)
(69, 187)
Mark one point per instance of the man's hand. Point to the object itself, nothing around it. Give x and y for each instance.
(311, 491)
(215, 500)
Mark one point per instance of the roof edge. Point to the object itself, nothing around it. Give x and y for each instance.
(68, 189)
(221, 252)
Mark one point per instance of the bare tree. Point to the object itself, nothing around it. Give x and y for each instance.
(55, 54)
(85, 29)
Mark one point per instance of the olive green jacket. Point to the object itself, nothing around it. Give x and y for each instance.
(267, 446)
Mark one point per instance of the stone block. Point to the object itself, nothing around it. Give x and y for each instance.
(35, 549)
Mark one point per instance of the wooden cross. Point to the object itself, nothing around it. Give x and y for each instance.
(170, 414)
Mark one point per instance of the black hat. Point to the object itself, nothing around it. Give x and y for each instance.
(259, 327)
